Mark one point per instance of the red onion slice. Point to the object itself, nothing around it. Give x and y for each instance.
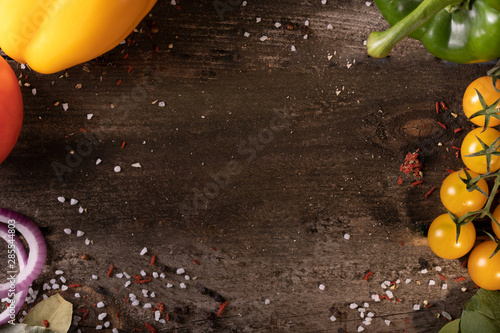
(21, 257)
(36, 244)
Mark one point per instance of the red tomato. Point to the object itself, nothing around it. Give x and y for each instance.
(11, 109)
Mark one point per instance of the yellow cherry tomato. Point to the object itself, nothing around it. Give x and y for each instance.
(457, 199)
(472, 145)
(442, 236)
(471, 103)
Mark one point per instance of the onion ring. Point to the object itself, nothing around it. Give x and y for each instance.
(37, 250)
(22, 258)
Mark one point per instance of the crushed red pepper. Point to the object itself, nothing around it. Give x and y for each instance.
(412, 165)
(460, 279)
(430, 192)
(153, 259)
(442, 276)
(441, 124)
(221, 308)
(418, 182)
(110, 270)
(150, 328)
(367, 275)
(443, 105)
(45, 323)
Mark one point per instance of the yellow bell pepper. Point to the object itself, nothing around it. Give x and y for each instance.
(52, 35)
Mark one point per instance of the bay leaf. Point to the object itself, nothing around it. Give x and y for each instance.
(481, 313)
(56, 310)
(451, 327)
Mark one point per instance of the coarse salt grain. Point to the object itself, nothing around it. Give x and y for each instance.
(119, 275)
(162, 275)
(353, 305)
(244, 3)
(361, 328)
(155, 275)
(77, 295)
(65, 106)
(147, 306)
(263, 38)
(305, 36)
(61, 199)
(33, 91)
(267, 301)
(407, 281)
(143, 273)
(277, 24)
(333, 318)
(107, 324)
(347, 236)
(67, 231)
(79, 233)
(438, 268)
(135, 303)
(424, 271)
(329, 27)
(127, 284)
(370, 314)
(100, 305)
(444, 286)
(101, 316)
(98, 161)
(117, 168)
(89, 116)
(258, 19)
(389, 294)
(152, 295)
(169, 285)
(94, 277)
(180, 271)
(321, 287)
(55, 286)
(126, 275)
(376, 297)
(368, 3)
(432, 282)
(323, 2)
(182, 285)
(293, 48)
(137, 165)
(416, 307)
(387, 322)
(157, 315)
(144, 251)
(365, 304)
(59, 272)
(98, 327)
(73, 202)
(246, 34)
(63, 279)
(87, 241)
(115, 330)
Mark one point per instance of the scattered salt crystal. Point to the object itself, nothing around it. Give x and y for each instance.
(446, 315)
(77, 295)
(376, 297)
(407, 281)
(267, 301)
(52, 281)
(367, 321)
(152, 295)
(187, 277)
(169, 285)
(362, 315)
(46, 286)
(365, 42)
(79, 233)
(117, 168)
(383, 285)
(424, 271)
(101, 316)
(293, 48)
(258, 19)
(89, 116)
(119, 275)
(137, 165)
(161, 104)
(244, 3)
(365, 304)
(61, 199)
(361, 310)
(98, 327)
(135, 303)
(353, 305)
(182, 285)
(33, 91)
(107, 324)
(63, 279)
(432, 282)
(100, 305)
(332, 318)
(323, 2)
(127, 283)
(94, 277)
(98, 161)
(155, 275)
(387, 322)
(306, 23)
(143, 273)
(145, 292)
(132, 296)
(330, 27)
(143, 251)
(321, 286)
(65, 106)
(157, 315)
(115, 330)
(73, 202)
(55, 286)
(162, 275)
(263, 38)
(398, 281)
(444, 286)
(277, 24)
(59, 272)
(389, 294)
(416, 307)
(370, 314)
(347, 236)
(361, 328)
(438, 268)
(305, 36)
(173, 2)
(180, 271)
(368, 3)
(67, 231)
(23, 66)
(87, 241)
(463, 289)
(246, 34)
(147, 306)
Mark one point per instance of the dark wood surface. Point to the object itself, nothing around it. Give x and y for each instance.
(258, 165)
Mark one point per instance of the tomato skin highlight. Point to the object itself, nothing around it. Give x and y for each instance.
(471, 103)
(457, 199)
(471, 145)
(483, 270)
(11, 109)
(442, 235)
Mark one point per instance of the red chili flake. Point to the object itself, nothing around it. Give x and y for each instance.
(394, 282)
(153, 259)
(456, 130)
(387, 297)
(450, 170)
(123, 144)
(464, 263)
(196, 262)
(178, 7)
(129, 69)
(74, 285)
(442, 276)
(398, 300)
(125, 56)
(460, 279)
(429, 305)
(418, 182)
(110, 270)
(367, 276)
(85, 313)
(150, 328)
(161, 307)
(150, 36)
(400, 180)
(129, 41)
(118, 82)
(411, 164)
(430, 192)
(455, 147)
(142, 281)
(83, 130)
(437, 107)
(443, 105)
(167, 317)
(45, 323)
(441, 124)
(221, 308)
(457, 154)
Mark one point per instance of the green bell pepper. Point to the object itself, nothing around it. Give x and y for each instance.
(461, 31)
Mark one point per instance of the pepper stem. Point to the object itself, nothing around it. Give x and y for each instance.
(380, 43)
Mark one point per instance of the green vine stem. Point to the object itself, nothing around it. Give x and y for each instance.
(380, 43)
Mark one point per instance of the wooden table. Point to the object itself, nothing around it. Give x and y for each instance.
(262, 158)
